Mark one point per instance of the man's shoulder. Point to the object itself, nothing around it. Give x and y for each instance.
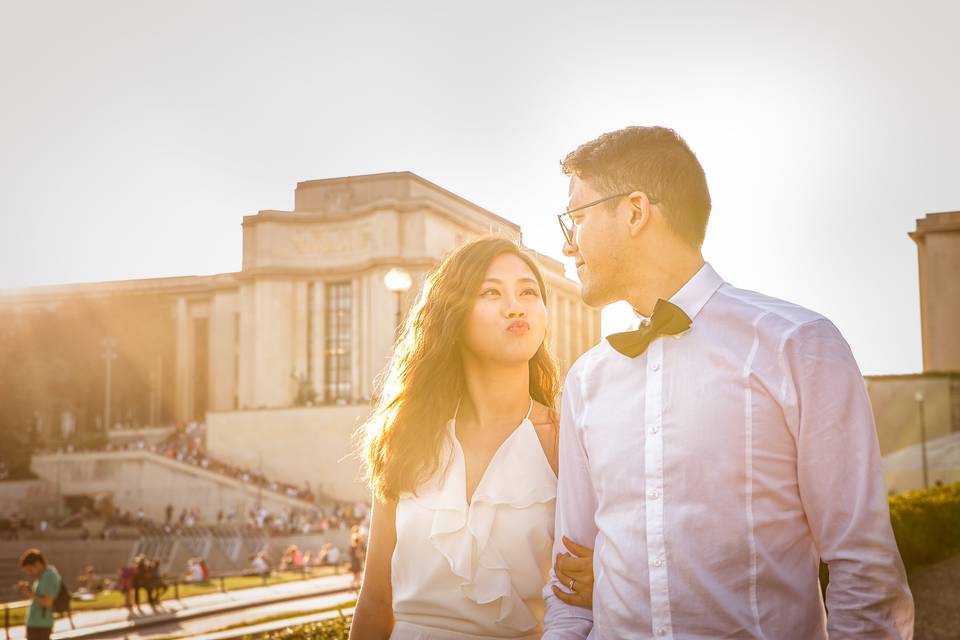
(752, 304)
(49, 579)
(787, 325)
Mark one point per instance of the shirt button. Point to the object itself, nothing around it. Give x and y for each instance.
(658, 562)
(655, 366)
(661, 631)
(654, 429)
(654, 495)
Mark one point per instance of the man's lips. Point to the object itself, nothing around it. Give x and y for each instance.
(518, 327)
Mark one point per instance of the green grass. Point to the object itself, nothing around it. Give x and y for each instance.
(114, 599)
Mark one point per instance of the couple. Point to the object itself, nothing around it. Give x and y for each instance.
(710, 458)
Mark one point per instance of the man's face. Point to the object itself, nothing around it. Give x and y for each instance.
(597, 244)
(34, 570)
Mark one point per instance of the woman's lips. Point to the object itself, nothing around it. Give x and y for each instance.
(518, 327)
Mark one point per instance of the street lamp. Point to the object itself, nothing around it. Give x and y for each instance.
(923, 439)
(398, 280)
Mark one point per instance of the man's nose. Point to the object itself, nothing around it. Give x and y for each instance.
(570, 247)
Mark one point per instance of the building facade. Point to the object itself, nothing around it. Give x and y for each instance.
(281, 358)
(914, 410)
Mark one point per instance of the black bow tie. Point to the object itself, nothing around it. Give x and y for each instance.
(667, 320)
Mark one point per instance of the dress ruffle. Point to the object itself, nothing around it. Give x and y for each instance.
(461, 533)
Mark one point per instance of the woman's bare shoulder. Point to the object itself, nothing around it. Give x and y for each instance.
(546, 425)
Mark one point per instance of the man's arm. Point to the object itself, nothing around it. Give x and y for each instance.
(576, 506)
(843, 491)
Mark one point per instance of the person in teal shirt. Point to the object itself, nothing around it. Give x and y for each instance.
(41, 593)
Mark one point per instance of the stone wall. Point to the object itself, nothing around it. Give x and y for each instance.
(301, 445)
(136, 479)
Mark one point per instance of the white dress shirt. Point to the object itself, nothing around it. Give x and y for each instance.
(715, 470)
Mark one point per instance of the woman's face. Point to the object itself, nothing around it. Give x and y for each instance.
(508, 320)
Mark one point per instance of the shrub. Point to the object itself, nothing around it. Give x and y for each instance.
(927, 524)
(333, 629)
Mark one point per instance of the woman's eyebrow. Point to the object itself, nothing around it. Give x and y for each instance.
(498, 281)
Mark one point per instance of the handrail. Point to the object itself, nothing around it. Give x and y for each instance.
(7, 606)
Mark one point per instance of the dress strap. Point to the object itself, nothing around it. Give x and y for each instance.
(529, 411)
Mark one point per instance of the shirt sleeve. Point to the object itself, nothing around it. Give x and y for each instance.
(842, 488)
(49, 584)
(576, 506)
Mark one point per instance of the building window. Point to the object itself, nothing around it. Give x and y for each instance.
(338, 340)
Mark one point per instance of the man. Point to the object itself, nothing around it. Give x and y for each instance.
(41, 593)
(716, 453)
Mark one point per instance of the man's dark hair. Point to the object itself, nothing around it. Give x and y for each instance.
(32, 556)
(654, 160)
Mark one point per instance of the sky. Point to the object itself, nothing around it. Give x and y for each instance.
(135, 135)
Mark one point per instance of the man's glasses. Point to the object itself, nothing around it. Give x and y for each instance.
(569, 227)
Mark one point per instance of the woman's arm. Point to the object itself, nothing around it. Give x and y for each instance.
(373, 615)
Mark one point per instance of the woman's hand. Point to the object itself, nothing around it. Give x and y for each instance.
(575, 571)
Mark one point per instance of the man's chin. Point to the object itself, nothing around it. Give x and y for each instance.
(592, 297)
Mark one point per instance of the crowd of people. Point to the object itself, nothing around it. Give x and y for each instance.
(187, 444)
(141, 574)
(286, 521)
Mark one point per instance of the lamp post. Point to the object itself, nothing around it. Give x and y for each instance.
(923, 439)
(398, 280)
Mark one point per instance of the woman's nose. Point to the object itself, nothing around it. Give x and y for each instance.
(514, 308)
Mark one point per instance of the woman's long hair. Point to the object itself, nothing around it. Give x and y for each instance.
(418, 393)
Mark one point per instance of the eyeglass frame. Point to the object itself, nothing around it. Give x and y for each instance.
(569, 231)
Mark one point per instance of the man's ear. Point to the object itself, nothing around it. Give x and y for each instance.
(639, 213)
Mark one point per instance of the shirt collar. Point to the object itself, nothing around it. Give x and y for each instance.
(693, 295)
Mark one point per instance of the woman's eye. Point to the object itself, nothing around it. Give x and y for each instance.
(488, 292)
(531, 292)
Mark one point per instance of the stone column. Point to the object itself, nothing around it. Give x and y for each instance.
(183, 379)
(938, 251)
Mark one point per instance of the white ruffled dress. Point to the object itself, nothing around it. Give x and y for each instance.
(476, 571)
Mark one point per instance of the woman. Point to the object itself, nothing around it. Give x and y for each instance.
(461, 452)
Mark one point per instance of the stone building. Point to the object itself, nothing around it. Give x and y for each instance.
(280, 358)
(902, 403)
(938, 250)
